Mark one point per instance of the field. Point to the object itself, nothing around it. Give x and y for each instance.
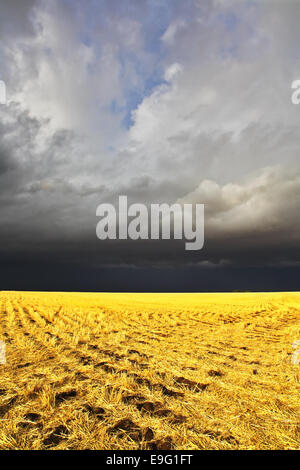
(149, 371)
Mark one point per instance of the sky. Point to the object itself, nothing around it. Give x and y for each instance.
(165, 101)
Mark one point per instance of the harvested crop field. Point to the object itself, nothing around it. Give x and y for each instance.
(149, 371)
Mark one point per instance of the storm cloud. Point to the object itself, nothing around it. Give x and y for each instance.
(160, 102)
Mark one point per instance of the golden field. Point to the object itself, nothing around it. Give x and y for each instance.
(149, 371)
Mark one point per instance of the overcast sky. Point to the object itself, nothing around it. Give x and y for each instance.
(162, 101)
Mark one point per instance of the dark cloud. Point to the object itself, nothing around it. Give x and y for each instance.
(29, 273)
(15, 19)
(212, 123)
(6, 162)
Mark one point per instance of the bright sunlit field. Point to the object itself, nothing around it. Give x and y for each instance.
(149, 371)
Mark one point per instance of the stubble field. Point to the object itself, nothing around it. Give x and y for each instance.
(149, 371)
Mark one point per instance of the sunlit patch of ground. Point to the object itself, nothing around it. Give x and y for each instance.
(149, 371)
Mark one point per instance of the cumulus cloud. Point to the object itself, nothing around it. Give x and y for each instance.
(266, 203)
(106, 100)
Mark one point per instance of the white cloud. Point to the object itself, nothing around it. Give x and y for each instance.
(266, 202)
(221, 112)
(173, 29)
(172, 71)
